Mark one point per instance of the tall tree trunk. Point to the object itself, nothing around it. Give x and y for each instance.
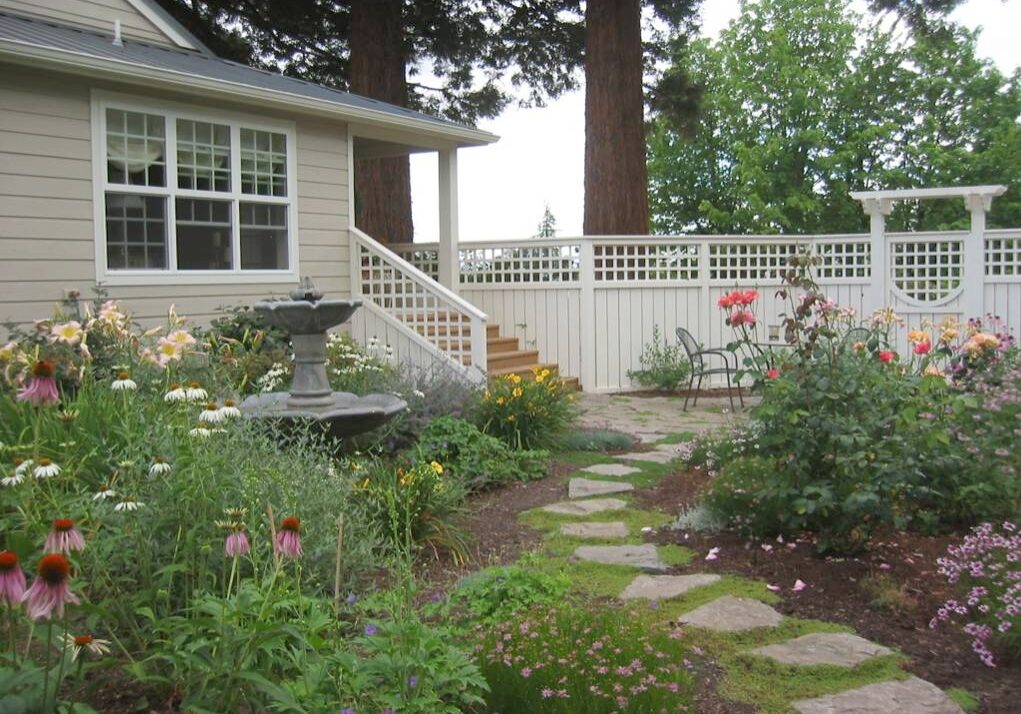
(382, 186)
(616, 180)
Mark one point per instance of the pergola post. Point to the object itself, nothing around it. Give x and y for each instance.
(448, 253)
(878, 209)
(975, 254)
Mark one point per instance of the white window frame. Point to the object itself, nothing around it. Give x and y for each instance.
(171, 112)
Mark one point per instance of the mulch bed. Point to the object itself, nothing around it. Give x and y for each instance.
(835, 594)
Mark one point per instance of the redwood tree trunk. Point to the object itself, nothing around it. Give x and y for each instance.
(616, 180)
(382, 186)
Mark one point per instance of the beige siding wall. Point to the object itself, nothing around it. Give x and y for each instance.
(47, 235)
(93, 14)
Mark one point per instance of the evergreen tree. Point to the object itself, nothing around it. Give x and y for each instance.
(547, 226)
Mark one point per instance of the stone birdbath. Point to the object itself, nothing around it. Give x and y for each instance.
(307, 317)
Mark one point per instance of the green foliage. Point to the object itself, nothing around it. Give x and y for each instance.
(596, 440)
(497, 593)
(806, 101)
(477, 460)
(577, 659)
(526, 413)
(665, 366)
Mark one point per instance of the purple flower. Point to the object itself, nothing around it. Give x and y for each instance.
(412, 681)
(370, 630)
(351, 599)
(288, 539)
(42, 387)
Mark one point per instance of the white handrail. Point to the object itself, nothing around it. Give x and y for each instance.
(448, 342)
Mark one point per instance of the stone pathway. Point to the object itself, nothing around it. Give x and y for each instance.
(584, 487)
(597, 529)
(642, 556)
(649, 420)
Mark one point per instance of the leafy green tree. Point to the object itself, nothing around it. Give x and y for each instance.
(805, 101)
(547, 225)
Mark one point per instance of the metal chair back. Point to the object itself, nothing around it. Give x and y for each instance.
(691, 348)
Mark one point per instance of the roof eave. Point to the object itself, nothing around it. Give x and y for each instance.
(83, 63)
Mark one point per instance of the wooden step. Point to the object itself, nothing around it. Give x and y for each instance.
(515, 358)
(522, 370)
(497, 345)
(492, 331)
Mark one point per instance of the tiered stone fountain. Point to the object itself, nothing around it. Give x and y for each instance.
(307, 317)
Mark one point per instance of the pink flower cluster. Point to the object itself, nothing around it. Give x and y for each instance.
(738, 303)
(988, 561)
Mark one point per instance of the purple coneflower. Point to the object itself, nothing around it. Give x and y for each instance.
(49, 592)
(288, 540)
(237, 544)
(64, 537)
(42, 387)
(12, 578)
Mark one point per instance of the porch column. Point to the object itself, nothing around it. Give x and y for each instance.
(449, 256)
(974, 268)
(878, 209)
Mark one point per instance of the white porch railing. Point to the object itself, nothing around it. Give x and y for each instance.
(590, 304)
(407, 310)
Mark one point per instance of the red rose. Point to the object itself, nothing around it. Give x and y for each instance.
(886, 356)
(773, 373)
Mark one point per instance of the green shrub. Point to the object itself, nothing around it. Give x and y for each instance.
(665, 366)
(477, 460)
(526, 413)
(497, 593)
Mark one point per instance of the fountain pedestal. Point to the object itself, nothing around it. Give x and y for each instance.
(307, 317)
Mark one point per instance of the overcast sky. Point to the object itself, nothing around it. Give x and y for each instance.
(539, 159)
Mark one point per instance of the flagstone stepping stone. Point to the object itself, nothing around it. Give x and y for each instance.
(584, 488)
(911, 696)
(611, 470)
(585, 508)
(649, 437)
(841, 649)
(733, 614)
(637, 556)
(658, 457)
(664, 587)
(605, 529)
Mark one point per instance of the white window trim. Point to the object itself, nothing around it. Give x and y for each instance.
(171, 111)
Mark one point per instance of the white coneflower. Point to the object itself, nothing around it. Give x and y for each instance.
(46, 469)
(21, 467)
(129, 504)
(104, 493)
(196, 393)
(13, 480)
(177, 393)
(81, 643)
(160, 467)
(124, 383)
(201, 431)
(212, 414)
(229, 409)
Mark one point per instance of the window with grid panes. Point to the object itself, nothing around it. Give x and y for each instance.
(184, 194)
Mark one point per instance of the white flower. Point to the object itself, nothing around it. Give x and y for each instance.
(160, 467)
(419, 394)
(229, 410)
(200, 431)
(68, 332)
(85, 642)
(128, 504)
(181, 337)
(195, 393)
(124, 383)
(46, 469)
(22, 468)
(176, 394)
(13, 480)
(212, 415)
(104, 493)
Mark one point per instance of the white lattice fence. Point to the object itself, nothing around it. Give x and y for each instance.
(590, 304)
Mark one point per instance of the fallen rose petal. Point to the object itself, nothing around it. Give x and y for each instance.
(774, 588)
(712, 554)
(799, 585)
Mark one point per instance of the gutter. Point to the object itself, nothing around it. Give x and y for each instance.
(82, 63)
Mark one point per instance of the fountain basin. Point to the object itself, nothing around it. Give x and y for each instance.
(346, 415)
(301, 317)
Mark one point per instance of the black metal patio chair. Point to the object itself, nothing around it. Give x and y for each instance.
(701, 368)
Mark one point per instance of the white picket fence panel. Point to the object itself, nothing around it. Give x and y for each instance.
(591, 304)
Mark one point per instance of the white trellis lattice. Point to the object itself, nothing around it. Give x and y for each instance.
(1003, 256)
(927, 271)
(748, 262)
(841, 260)
(644, 262)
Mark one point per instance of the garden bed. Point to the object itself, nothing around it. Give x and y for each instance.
(887, 595)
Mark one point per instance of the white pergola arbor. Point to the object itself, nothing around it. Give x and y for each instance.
(977, 199)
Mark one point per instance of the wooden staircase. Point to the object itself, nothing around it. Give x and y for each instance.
(504, 354)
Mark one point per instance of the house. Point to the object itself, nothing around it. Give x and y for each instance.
(135, 160)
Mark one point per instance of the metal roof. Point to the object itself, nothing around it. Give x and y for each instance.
(37, 33)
